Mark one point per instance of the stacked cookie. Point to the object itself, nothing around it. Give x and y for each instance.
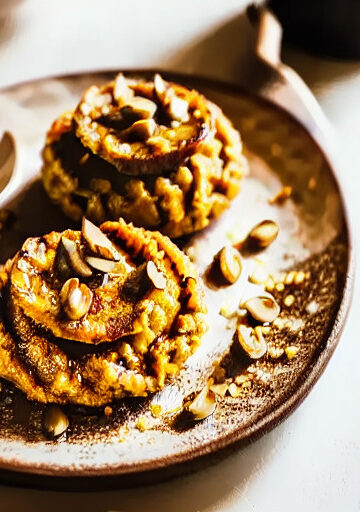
(155, 153)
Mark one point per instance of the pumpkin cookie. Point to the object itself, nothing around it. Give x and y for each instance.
(99, 314)
(155, 153)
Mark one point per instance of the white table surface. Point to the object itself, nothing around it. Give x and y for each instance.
(311, 462)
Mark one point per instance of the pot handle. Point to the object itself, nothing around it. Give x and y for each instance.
(282, 85)
(269, 35)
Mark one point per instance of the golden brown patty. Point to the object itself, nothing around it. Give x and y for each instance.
(139, 127)
(145, 316)
(191, 179)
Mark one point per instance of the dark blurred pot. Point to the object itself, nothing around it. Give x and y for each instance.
(329, 27)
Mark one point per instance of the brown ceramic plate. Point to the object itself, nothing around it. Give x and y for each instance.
(99, 451)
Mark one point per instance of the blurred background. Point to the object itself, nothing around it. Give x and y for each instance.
(312, 461)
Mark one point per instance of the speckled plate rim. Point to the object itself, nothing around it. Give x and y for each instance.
(17, 472)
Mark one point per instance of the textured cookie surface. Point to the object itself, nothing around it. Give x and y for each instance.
(67, 337)
(175, 180)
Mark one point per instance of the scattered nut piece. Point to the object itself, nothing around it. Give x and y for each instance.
(262, 235)
(104, 266)
(279, 323)
(296, 324)
(269, 284)
(76, 298)
(91, 97)
(122, 93)
(259, 275)
(203, 405)
(219, 389)
(178, 109)
(98, 241)
(312, 307)
(299, 277)
(156, 277)
(289, 300)
(230, 264)
(143, 108)
(234, 390)
(263, 309)
(68, 258)
(142, 424)
(241, 379)
(108, 410)
(227, 310)
(156, 410)
(280, 287)
(275, 352)
(291, 351)
(290, 276)
(252, 341)
(281, 196)
(140, 130)
(55, 421)
(159, 87)
(280, 277)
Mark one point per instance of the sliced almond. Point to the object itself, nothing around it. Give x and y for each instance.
(263, 309)
(230, 264)
(122, 93)
(160, 86)
(178, 109)
(55, 421)
(100, 264)
(76, 298)
(140, 130)
(203, 405)
(156, 277)
(143, 108)
(68, 259)
(98, 242)
(252, 341)
(263, 234)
